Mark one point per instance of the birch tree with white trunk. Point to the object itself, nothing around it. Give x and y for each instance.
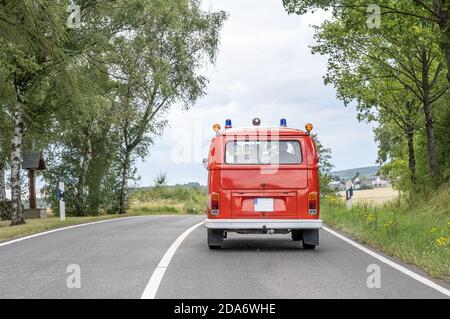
(31, 39)
(2, 183)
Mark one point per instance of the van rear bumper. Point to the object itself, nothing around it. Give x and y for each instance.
(263, 223)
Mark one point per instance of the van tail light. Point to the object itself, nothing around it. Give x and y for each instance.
(312, 203)
(214, 203)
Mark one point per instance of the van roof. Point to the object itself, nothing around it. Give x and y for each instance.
(261, 130)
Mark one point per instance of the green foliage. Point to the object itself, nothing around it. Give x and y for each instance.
(80, 151)
(325, 167)
(155, 67)
(95, 97)
(421, 10)
(161, 180)
(186, 200)
(395, 76)
(5, 210)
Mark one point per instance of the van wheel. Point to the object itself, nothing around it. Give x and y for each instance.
(310, 238)
(215, 238)
(308, 246)
(296, 235)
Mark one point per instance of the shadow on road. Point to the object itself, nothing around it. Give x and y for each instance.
(261, 245)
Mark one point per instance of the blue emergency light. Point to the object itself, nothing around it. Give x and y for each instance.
(228, 124)
(283, 123)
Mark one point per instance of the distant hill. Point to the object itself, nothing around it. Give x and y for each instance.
(190, 185)
(363, 171)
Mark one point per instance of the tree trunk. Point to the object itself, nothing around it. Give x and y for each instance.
(444, 26)
(447, 53)
(411, 158)
(431, 145)
(82, 188)
(101, 163)
(2, 183)
(124, 184)
(32, 188)
(16, 160)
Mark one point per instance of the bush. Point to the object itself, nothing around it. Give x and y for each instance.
(5, 210)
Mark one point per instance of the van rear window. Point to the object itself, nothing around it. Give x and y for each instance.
(263, 152)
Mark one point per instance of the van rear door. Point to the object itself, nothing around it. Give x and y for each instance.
(266, 179)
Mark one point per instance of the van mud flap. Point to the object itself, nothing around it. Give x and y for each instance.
(311, 237)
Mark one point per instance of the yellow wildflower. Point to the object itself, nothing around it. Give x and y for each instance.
(441, 241)
(389, 224)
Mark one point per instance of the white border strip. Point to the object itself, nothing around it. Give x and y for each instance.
(64, 228)
(153, 285)
(394, 265)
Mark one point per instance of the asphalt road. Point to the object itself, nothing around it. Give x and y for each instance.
(117, 259)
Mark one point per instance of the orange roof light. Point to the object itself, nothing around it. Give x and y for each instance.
(309, 127)
(216, 128)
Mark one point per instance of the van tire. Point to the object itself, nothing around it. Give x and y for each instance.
(310, 238)
(215, 238)
(296, 235)
(308, 246)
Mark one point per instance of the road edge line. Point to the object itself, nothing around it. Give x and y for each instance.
(13, 241)
(155, 280)
(391, 263)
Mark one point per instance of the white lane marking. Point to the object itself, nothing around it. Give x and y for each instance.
(63, 228)
(153, 285)
(394, 265)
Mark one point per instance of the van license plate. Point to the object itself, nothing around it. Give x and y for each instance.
(264, 204)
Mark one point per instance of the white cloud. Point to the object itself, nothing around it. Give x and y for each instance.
(265, 68)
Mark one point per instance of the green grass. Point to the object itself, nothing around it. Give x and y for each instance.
(33, 226)
(171, 200)
(153, 201)
(417, 233)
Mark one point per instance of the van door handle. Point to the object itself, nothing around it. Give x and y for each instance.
(264, 185)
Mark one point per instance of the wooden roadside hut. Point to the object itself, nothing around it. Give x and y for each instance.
(33, 161)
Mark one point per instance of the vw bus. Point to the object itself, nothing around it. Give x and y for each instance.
(263, 180)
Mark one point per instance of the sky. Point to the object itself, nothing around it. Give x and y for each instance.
(264, 69)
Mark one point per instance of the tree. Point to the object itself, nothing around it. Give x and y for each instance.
(157, 67)
(6, 131)
(31, 38)
(325, 167)
(387, 102)
(161, 180)
(80, 151)
(423, 11)
(371, 67)
(404, 115)
(98, 93)
(5, 138)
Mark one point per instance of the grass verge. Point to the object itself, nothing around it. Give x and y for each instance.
(151, 201)
(33, 226)
(418, 234)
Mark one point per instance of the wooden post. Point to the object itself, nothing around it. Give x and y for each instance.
(32, 189)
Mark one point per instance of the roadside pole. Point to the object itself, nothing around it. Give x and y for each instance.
(62, 204)
(349, 194)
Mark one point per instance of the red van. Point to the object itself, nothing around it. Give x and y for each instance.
(263, 181)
